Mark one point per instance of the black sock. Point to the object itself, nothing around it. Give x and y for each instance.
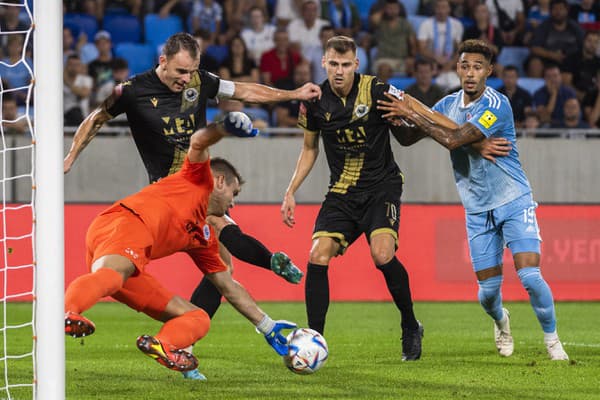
(316, 292)
(245, 247)
(207, 297)
(396, 279)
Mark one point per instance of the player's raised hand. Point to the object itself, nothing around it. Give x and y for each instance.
(394, 107)
(308, 91)
(287, 210)
(492, 147)
(239, 124)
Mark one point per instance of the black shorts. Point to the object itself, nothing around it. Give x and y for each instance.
(344, 217)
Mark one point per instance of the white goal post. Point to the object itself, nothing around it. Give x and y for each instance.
(48, 204)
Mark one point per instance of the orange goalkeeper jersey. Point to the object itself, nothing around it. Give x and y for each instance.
(174, 212)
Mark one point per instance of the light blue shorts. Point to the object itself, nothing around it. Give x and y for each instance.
(514, 224)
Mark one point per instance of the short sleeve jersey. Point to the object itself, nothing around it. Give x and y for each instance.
(482, 184)
(162, 121)
(174, 211)
(355, 136)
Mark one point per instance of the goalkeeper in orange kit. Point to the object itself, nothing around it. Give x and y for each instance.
(163, 218)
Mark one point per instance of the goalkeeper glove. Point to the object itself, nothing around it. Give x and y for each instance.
(272, 332)
(239, 124)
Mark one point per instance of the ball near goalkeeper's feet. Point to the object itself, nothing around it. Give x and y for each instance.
(307, 353)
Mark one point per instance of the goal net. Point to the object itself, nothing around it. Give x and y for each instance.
(31, 212)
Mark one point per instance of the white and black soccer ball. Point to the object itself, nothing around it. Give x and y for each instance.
(307, 352)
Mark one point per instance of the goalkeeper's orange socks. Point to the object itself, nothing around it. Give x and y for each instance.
(88, 289)
(185, 330)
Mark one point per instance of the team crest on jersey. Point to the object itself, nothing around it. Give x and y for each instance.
(190, 94)
(206, 232)
(487, 119)
(361, 110)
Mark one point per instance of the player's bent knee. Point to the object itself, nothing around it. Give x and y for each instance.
(178, 306)
(489, 289)
(382, 257)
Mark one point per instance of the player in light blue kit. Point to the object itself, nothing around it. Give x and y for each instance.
(494, 191)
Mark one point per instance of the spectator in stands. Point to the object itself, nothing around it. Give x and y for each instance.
(585, 12)
(10, 22)
(17, 76)
(77, 88)
(572, 118)
(237, 13)
(395, 40)
(315, 56)
(286, 11)
(238, 66)
(101, 68)
(180, 8)
(69, 45)
(591, 103)
(550, 99)
(532, 122)
(342, 15)
(558, 40)
(483, 29)
(588, 63)
(534, 67)
(438, 40)
(520, 99)
(509, 17)
(119, 73)
(279, 62)
(258, 36)
(207, 15)
(424, 89)
(538, 13)
(304, 31)
(207, 62)
(11, 123)
(286, 114)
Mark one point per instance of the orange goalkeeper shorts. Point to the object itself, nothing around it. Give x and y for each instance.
(121, 232)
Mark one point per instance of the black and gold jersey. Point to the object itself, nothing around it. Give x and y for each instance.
(162, 121)
(355, 136)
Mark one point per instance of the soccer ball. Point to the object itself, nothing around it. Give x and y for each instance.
(307, 352)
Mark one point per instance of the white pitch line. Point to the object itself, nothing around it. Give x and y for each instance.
(582, 344)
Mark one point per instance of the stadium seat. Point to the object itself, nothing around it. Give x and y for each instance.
(218, 52)
(211, 113)
(79, 23)
(123, 28)
(494, 82)
(531, 84)
(158, 29)
(511, 55)
(363, 7)
(416, 21)
(140, 57)
(401, 82)
(411, 6)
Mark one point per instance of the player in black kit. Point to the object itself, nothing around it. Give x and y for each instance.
(164, 107)
(364, 189)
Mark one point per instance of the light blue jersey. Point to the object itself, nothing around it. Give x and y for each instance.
(484, 185)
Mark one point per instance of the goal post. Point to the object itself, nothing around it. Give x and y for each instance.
(49, 201)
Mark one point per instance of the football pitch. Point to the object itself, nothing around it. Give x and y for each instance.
(459, 358)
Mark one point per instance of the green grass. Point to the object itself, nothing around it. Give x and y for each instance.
(459, 358)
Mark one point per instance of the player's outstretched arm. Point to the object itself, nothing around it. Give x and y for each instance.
(86, 131)
(241, 300)
(306, 161)
(257, 93)
(439, 127)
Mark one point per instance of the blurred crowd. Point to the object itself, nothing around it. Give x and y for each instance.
(547, 51)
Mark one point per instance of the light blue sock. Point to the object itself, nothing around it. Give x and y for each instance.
(490, 296)
(540, 297)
